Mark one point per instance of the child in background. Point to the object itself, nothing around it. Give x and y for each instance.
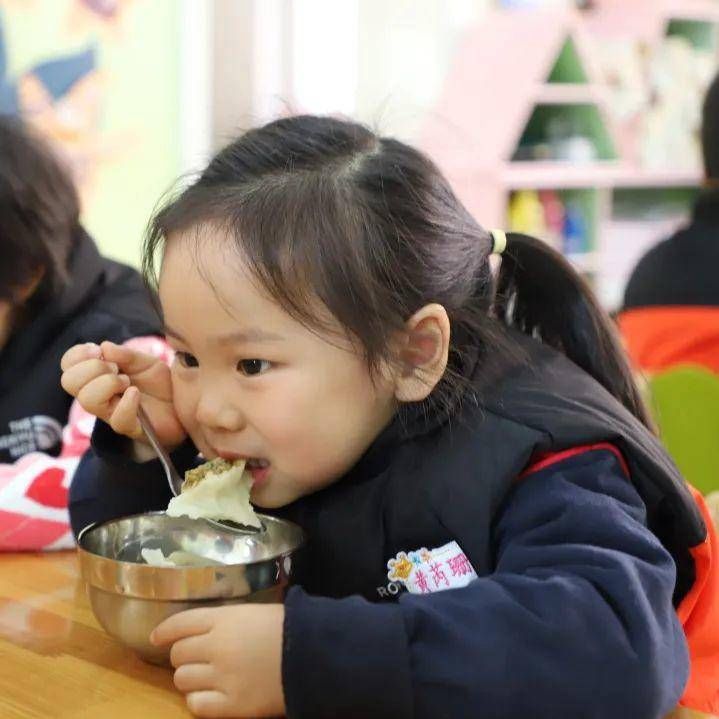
(493, 530)
(55, 290)
(670, 312)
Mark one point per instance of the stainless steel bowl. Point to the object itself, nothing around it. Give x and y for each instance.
(130, 598)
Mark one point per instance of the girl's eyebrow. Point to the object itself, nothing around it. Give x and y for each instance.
(250, 334)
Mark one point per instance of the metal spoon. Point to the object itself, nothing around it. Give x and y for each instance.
(173, 476)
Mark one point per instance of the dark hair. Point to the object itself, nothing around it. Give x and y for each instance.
(323, 207)
(39, 212)
(710, 131)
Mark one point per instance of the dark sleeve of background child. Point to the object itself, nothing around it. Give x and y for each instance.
(108, 484)
(576, 620)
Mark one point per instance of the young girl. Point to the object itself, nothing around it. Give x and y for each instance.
(493, 530)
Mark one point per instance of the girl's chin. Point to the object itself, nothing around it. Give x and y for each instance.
(264, 499)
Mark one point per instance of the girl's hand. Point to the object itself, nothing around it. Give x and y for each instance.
(228, 659)
(111, 380)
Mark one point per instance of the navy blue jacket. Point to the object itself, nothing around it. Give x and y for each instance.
(103, 300)
(572, 610)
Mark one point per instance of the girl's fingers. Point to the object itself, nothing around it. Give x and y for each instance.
(77, 376)
(210, 704)
(194, 677)
(123, 419)
(97, 394)
(79, 353)
(149, 373)
(130, 361)
(189, 623)
(191, 650)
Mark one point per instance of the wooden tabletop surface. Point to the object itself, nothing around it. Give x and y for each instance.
(56, 660)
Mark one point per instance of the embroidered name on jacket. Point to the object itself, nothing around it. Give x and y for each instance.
(429, 570)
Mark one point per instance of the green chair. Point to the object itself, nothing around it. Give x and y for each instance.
(685, 405)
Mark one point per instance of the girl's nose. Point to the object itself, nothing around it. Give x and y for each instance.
(215, 411)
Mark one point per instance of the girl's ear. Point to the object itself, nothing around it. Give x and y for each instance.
(423, 353)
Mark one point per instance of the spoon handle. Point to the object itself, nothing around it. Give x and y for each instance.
(173, 476)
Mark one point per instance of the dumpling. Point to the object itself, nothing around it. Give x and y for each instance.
(218, 490)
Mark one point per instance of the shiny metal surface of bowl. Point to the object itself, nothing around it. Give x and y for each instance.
(130, 598)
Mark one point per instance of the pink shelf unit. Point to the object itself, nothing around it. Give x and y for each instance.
(489, 97)
(503, 71)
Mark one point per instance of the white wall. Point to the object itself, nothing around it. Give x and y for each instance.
(378, 61)
(405, 51)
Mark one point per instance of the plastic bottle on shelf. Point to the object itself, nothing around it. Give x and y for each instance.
(576, 239)
(568, 141)
(526, 214)
(553, 209)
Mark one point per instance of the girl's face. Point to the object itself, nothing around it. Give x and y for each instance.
(251, 382)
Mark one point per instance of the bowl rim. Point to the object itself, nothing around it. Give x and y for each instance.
(186, 583)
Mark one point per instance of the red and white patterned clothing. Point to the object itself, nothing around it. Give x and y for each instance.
(34, 489)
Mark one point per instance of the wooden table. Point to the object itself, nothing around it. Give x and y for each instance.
(57, 663)
(55, 660)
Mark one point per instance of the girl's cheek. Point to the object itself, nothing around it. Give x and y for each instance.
(283, 425)
(184, 404)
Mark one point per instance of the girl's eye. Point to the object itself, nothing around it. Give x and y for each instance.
(186, 359)
(252, 367)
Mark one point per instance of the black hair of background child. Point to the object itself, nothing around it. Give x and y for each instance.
(39, 213)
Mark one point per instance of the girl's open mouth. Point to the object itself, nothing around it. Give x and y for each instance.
(258, 468)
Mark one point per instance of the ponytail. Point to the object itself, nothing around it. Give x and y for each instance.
(540, 293)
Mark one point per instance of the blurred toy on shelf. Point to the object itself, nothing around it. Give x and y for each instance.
(563, 222)
(526, 214)
(656, 91)
(575, 236)
(553, 133)
(554, 217)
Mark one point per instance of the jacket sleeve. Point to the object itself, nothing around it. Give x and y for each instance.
(576, 620)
